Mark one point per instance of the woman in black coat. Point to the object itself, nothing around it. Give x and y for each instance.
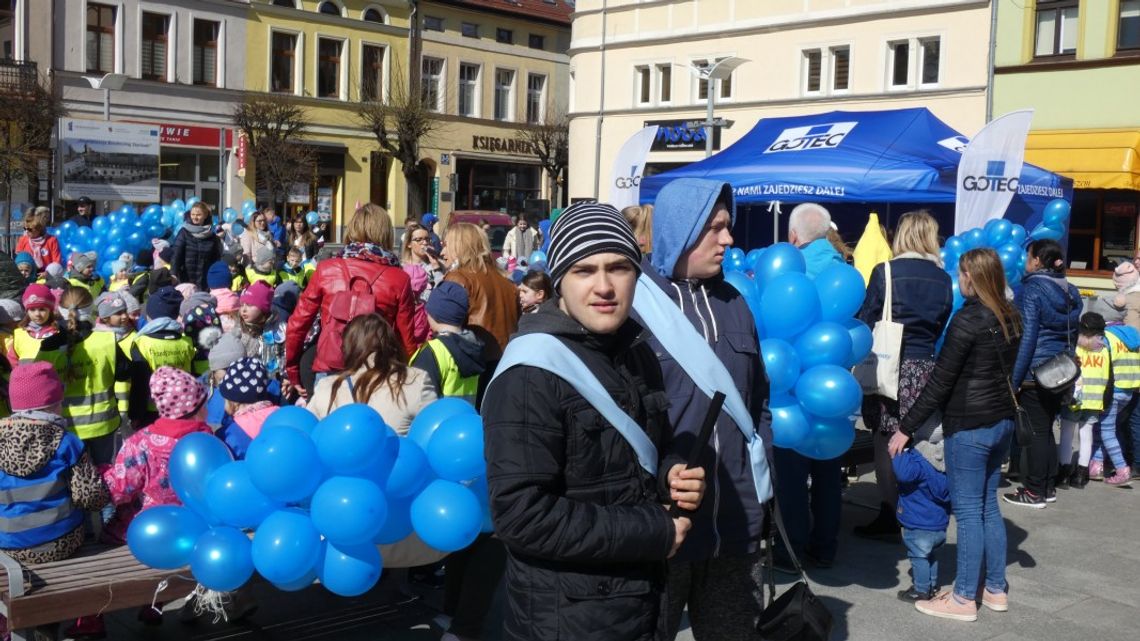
(196, 248)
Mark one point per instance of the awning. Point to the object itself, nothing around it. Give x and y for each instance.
(1093, 158)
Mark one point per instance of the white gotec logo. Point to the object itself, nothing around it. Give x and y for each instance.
(825, 136)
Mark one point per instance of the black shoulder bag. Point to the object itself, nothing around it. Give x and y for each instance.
(1022, 427)
(798, 614)
(1059, 372)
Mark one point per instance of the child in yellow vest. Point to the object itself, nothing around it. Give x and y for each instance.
(11, 313)
(453, 359)
(294, 270)
(1124, 366)
(262, 267)
(1089, 399)
(39, 322)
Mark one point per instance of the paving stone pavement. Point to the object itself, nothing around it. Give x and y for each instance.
(1073, 572)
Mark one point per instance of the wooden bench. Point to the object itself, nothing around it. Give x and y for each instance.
(96, 579)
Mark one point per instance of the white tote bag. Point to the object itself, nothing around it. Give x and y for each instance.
(879, 372)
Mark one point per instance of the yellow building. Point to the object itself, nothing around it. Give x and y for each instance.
(328, 55)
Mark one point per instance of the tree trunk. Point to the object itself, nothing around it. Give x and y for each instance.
(417, 199)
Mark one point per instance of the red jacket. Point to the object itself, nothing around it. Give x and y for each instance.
(394, 302)
(48, 254)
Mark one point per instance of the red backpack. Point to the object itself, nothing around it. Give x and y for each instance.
(357, 300)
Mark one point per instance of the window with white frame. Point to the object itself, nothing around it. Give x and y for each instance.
(825, 71)
(929, 60)
(372, 14)
(329, 8)
(664, 84)
(329, 54)
(812, 71)
(283, 64)
(100, 43)
(643, 84)
(840, 59)
(535, 97)
(469, 89)
(432, 83)
(504, 94)
(372, 73)
(914, 63)
(1056, 27)
(205, 52)
(898, 65)
(725, 84)
(154, 46)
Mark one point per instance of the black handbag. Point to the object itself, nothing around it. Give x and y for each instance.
(1062, 370)
(798, 614)
(1022, 426)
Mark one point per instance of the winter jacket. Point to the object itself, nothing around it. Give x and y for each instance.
(969, 382)
(924, 493)
(193, 256)
(1050, 312)
(397, 411)
(253, 240)
(239, 430)
(47, 480)
(142, 468)
(391, 288)
(12, 282)
(583, 523)
(47, 254)
(819, 254)
(493, 308)
(521, 244)
(921, 300)
(730, 520)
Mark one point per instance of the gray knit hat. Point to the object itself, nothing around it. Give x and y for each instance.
(11, 311)
(226, 352)
(109, 303)
(132, 302)
(82, 261)
(585, 229)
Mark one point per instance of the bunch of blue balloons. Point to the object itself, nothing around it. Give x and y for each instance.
(810, 340)
(1008, 240)
(537, 260)
(319, 497)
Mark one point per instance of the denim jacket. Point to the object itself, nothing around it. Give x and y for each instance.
(921, 301)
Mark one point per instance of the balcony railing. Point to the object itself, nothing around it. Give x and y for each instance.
(18, 75)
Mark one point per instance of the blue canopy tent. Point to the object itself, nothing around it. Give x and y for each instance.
(858, 160)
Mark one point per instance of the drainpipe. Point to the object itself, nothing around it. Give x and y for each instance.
(601, 112)
(990, 68)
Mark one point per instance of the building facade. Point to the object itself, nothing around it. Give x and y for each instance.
(1077, 64)
(633, 64)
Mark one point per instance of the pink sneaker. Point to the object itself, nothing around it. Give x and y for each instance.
(947, 606)
(1122, 477)
(996, 601)
(1096, 471)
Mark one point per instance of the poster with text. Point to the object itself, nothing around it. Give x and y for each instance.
(109, 160)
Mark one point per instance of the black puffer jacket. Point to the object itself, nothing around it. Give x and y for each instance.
(583, 523)
(969, 383)
(193, 256)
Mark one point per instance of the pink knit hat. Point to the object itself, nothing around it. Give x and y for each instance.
(176, 394)
(227, 300)
(34, 386)
(37, 295)
(260, 295)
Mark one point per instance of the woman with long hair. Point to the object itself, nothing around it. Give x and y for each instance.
(36, 241)
(300, 236)
(921, 299)
(256, 236)
(971, 386)
(417, 249)
(493, 310)
(1050, 310)
(640, 219)
(339, 290)
(376, 373)
(196, 247)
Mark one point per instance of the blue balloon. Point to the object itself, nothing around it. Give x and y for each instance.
(733, 260)
(155, 230)
(956, 245)
(829, 438)
(163, 537)
(1041, 232)
(956, 291)
(1017, 235)
(178, 206)
(829, 391)
(410, 473)
(455, 451)
(789, 304)
(428, 420)
(312, 218)
(398, 524)
(351, 438)
(191, 201)
(299, 584)
(286, 546)
(536, 256)
(348, 510)
(782, 364)
(237, 230)
(349, 570)
(68, 227)
(861, 341)
(974, 238)
(229, 215)
(152, 210)
(752, 259)
(841, 292)
(52, 231)
(1056, 213)
(790, 425)
(544, 229)
(292, 416)
(997, 232)
(283, 464)
(949, 259)
(129, 210)
(234, 500)
(194, 458)
(222, 559)
(447, 516)
(101, 224)
(825, 343)
(779, 259)
(748, 291)
(248, 207)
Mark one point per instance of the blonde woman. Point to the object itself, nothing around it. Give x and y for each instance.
(922, 300)
(36, 241)
(366, 264)
(493, 308)
(640, 219)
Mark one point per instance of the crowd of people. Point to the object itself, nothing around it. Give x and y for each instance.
(598, 533)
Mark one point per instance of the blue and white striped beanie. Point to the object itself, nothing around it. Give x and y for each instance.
(585, 229)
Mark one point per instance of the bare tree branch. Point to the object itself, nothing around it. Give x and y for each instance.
(275, 128)
(550, 141)
(29, 110)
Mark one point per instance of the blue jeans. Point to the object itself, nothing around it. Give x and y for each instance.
(973, 465)
(1104, 435)
(920, 548)
(810, 516)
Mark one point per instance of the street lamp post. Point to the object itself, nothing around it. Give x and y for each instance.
(720, 70)
(108, 83)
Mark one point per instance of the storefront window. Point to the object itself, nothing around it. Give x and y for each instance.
(178, 166)
(186, 173)
(1103, 229)
(494, 186)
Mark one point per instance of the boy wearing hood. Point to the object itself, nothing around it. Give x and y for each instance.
(717, 572)
(160, 342)
(83, 273)
(579, 509)
(453, 359)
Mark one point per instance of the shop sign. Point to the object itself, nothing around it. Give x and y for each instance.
(435, 194)
(501, 145)
(675, 135)
(242, 153)
(324, 203)
(109, 160)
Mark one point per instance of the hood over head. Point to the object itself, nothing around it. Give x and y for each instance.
(679, 215)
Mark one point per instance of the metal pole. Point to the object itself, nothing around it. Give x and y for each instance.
(601, 112)
(709, 120)
(990, 66)
(106, 104)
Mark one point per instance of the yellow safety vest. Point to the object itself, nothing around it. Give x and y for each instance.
(95, 286)
(252, 275)
(177, 353)
(301, 277)
(127, 342)
(1094, 379)
(25, 346)
(1125, 364)
(451, 383)
(89, 378)
(238, 282)
(116, 285)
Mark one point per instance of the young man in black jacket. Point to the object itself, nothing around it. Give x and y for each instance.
(586, 525)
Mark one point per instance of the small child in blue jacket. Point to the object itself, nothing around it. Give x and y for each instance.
(923, 510)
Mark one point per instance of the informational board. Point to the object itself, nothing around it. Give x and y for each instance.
(109, 160)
